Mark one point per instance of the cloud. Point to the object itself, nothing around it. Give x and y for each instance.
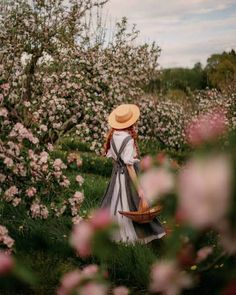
(187, 31)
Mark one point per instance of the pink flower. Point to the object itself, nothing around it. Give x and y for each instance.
(146, 162)
(204, 191)
(206, 127)
(8, 241)
(93, 288)
(167, 278)
(101, 219)
(3, 112)
(79, 162)
(6, 263)
(78, 197)
(79, 179)
(156, 183)
(77, 219)
(11, 192)
(5, 86)
(2, 177)
(3, 230)
(90, 270)
(8, 162)
(81, 238)
(16, 201)
(31, 191)
(203, 253)
(69, 282)
(122, 290)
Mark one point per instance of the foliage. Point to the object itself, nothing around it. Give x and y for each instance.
(221, 70)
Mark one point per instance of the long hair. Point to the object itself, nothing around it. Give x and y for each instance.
(130, 130)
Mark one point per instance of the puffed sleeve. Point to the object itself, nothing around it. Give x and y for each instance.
(109, 153)
(129, 152)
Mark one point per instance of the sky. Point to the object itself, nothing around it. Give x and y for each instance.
(188, 31)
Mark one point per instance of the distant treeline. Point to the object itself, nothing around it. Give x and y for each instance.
(219, 72)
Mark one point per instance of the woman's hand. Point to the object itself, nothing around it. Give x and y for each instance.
(143, 204)
(141, 193)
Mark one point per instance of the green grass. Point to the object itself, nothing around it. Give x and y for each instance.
(42, 245)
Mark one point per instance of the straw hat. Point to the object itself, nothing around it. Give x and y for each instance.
(124, 116)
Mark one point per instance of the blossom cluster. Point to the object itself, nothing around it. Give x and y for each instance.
(5, 238)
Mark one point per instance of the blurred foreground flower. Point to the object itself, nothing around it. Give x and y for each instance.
(168, 278)
(204, 191)
(203, 253)
(6, 263)
(156, 182)
(83, 232)
(84, 282)
(206, 127)
(122, 290)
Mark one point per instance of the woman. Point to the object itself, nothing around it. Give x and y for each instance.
(123, 192)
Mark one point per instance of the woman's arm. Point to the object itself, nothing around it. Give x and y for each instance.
(134, 178)
(143, 205)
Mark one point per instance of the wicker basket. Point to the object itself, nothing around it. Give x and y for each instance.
(144, 214)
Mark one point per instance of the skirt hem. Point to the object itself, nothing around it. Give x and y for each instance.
(143, 240)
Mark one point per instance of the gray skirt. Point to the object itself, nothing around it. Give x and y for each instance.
(121, 195)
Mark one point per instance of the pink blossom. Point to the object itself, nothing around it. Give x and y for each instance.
(146, 162)
(90, 270)
(39, 210)
(156, 183)
(69, 282)
(122, 290)
(8, 241)
(203, 253)
(79, 179)
(16, 201)
(43, 127)
(78, 196)
(79, 162)
(43, 157)
(93, 288)
(50, 147)
(77, 219)
(167, 278)
(3, 112)
(206, 127)
(204, 190)
(65, 182)
(5, 86)
(101, 219)
(81, 238)
(6, 263)
(11, 192)
(3, 230)
(31, 191)
(2, 177)
(8, 161)
(58, 165)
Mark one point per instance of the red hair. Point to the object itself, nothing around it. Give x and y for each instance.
(130, 130)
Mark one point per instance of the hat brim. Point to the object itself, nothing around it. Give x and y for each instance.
(117, 125)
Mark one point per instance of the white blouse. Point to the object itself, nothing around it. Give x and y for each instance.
(129, 153)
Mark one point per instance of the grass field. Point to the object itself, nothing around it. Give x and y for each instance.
(42, 245)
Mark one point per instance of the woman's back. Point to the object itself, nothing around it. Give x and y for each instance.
(129, 153)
